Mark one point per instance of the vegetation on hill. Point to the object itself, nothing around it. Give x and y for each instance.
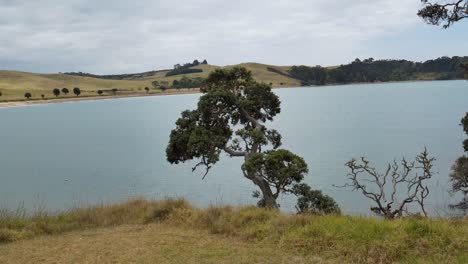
(370, 70)
(186, 68)
(332, 238)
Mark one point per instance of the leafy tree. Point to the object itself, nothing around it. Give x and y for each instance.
(447, 13)
(100, 92)
(65, 91)
(459, 179)
(114, 91)
(43, 96)
(155, 84)
(204, 62)
(230, 118)
(147, 89)
(459, 174)
(27, 95)
(56, 92)
(196, 63)
(77, 91)
(314, 201)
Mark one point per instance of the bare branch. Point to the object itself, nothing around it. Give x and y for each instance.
(416, 191)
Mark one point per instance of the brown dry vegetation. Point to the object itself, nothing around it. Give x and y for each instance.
(14, 84)
(172, 231)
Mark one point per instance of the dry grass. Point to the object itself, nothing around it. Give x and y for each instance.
(14, 84)
(173, 231)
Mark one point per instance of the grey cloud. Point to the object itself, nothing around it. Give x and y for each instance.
(130, 36)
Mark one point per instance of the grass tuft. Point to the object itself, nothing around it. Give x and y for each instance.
(340, 238)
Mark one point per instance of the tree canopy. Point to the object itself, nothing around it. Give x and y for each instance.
(230, 118)
(447, 13)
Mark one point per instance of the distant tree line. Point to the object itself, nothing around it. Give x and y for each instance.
(186, 82)
(186, 68)
(129, 76)
(370, 70)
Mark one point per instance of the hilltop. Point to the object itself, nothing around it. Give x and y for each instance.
(14, 84)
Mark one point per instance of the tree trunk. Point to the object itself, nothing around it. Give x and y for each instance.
(267, 195)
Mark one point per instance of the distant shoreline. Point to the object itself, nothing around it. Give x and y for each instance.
(10, 104)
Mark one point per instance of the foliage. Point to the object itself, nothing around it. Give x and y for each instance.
(370, 70)
(100, 92)
(186, 82)
(56, 92)
(385, 189)
(314, 201)
(447, 13)
(230, 118)
(459, 179)
(77, 91)
(182, 70)
(65, 91)
(464, 123)
(147, 89)
(459, 174)
(186, 68)
(27, 95)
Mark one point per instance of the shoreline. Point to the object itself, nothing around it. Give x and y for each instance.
(11, 104)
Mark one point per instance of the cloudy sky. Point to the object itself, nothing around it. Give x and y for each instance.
(116, 36)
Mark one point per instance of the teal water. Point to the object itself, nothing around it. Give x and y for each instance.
(60, 156)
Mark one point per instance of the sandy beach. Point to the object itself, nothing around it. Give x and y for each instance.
(87, 98)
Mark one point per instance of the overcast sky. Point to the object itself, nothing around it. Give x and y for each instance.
(116, 36)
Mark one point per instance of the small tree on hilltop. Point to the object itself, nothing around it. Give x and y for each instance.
(27, 95)
(230, 118)
(386, 189)
(56, 92)
(65, 91)
(77, 91)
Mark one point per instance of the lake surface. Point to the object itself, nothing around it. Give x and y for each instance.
(64, 155)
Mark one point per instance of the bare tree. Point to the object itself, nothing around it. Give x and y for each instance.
(394, 190)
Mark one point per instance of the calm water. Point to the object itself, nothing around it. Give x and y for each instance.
(70, 154)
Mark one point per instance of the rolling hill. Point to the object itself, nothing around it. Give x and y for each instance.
(14, 84)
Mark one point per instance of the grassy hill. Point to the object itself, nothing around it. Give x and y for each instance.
(14, 84)
(172, 231)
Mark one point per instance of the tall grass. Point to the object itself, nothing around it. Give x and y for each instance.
(356, 239)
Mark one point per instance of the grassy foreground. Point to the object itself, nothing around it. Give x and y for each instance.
(172, 231)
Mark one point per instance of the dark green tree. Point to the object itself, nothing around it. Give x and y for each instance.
(230, 118)
(56, 92)
(459, 174)
(447, 13)
(27, 95)
(65, 91)
(77, 91)
(147, 89)
(43, 96)
(99, 92)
